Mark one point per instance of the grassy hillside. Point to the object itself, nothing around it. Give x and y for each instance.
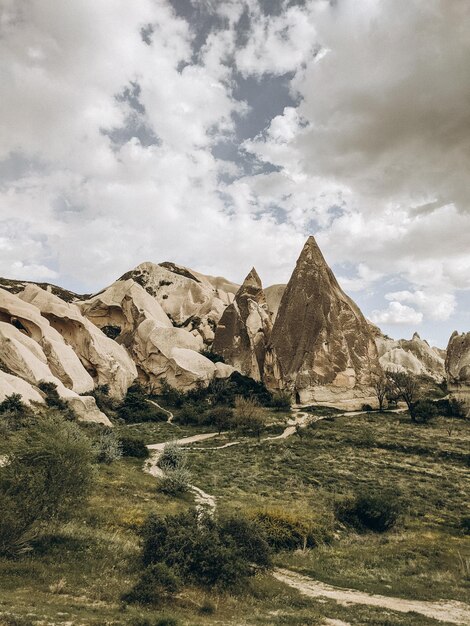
(77, 572)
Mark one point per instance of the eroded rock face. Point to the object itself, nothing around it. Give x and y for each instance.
(321, 347)
(191, 300)
(105, 360)
(274, 295)
(414, 356)
(457, 367)
(10, 384)
(244, 329)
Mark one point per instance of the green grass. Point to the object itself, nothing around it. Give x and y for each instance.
(77, 573)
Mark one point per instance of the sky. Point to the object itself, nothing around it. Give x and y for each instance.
(219, 134)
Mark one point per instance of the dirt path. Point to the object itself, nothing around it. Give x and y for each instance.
(169, 413)
(444, 611)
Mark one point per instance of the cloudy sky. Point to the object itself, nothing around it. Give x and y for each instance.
(220, 133)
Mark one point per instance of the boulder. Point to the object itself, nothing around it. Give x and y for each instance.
(244, 329)
(457, 367)
(10, 384)
(105, 360)
(321, 347)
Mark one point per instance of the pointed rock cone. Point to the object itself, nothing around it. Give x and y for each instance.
(244, 329)
(321, 346)
(458, 369)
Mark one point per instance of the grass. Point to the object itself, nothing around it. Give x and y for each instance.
(76, 573)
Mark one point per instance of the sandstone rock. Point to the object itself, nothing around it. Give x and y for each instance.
(457, 367)
(414, 356)
(105, 360)
(170, 354)
(321, 347)
(274, 295)
(123, 305)
(10, 384)
(61, 358)
(25, 358)
(191, 300)
(244, 329)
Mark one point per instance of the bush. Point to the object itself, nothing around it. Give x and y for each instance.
(451, 407)
(175, 481)
(133, 446)
(173, 456)
(213, 356)
(14, 414)
(49, 472)
(281, 401)
(377, 511)
(111, 331)
(221, 417)
(201, 551)
(52, 396)
(190, 415)
(157, 582)
(137, 408)
(367, 408)
(103, 400)
(424, 411)
(287, 531)
(107, 447)
(248, 416)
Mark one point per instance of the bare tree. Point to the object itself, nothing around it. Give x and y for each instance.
(381, 388)
(405, 386)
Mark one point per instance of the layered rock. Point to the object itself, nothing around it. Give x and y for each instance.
(457, 367)
(191, 300)
(32, 351)
(414, 356)
(244, 329)
(321, 347)
(107, 362)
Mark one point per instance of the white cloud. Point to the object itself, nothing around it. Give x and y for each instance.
(436, 306)
(397, 313)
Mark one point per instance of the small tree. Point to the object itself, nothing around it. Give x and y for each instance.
(282, 400)
(221, 417)
(405, 386)
(381, 387)
(248, 416)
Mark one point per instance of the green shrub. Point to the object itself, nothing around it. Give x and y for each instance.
(14, 414)
(133, 446)
(281, 401)
(367, 408)
(175, 481)
(190, 415)
(48, 473)
(107, 447)
(200, 550)
(377, 511)
(213, 356)
(136, 407)
(250, 538)
(52, 396)
(423, 411)
(451, 407)
(157, 582)
(248, 416)
(287, 531)
(173, 456)
(221, 417)
(103, 400)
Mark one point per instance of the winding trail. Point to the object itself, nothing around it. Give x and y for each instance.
(169, 413)
(445, 611)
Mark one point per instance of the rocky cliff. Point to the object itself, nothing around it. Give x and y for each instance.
(244, 329)
(321, 347)
(457, 366)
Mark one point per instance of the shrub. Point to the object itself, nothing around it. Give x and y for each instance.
(200, 550)
(250, 538)
(451, 407)
(133, 446)
(52, 396)
(248, 416)
(14, 414)
(173, 456)
(103, 400)
(49, 472)
(367, 407)
(424, 411)
(221, 417)
(175, 482)
(287, 531)
(170, 395)
(137, 408)
(377, 511)
(156, 583)
(12, 404)
(281, 401)
(107, 447)
(190, 415)
(111, 331)
(213, 356)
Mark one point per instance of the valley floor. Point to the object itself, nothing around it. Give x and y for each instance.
(77, 574)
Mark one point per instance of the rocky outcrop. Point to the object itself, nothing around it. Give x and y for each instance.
(274, 295)
(457, 367)
(321, 347)
(31, 351)
(244, 329)
(414, 356)
(106, 361)
(191, 300)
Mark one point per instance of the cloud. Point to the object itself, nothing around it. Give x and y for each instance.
(397, 313)
(436, 306)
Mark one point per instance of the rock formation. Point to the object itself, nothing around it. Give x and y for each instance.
(414, 356)
(106, 361)
(244, 329)
(457, 367)
(321, 347)
(31, 351)
(274, 295)
(191, 300)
